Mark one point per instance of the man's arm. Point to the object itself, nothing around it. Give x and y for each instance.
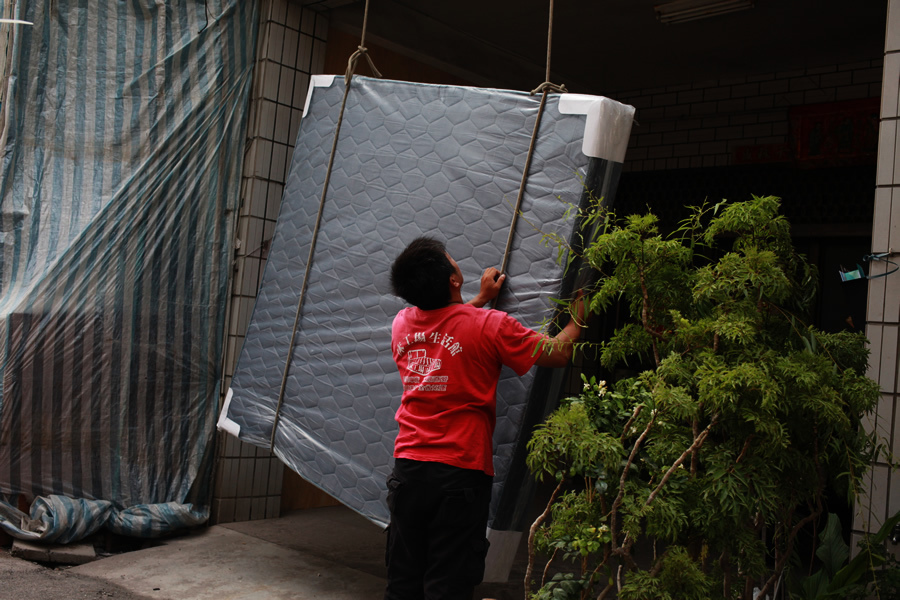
(491, 282)
(557, 351)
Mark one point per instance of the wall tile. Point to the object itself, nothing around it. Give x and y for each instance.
(677, 111)
(282, 124)
(835, 80)
(296, 115)
(289, 49)
(263, 157)
(852, 92)
(819, 96)
(294, 12)
(274, 42)
(245, 312)
(801, 84)
(308, 22)
(888, 367)
(225, 510)
(276, 473)
(322, 28)
(254, 239)
(688, 97)
(257, 509)
(269, 229)
(318, 58)
(250, 159)
(891, 312)
(892, 38)
(247, 450)
(301, 88)
(887, 154)
(884, 424)
(870, 75)
(270, 80)
(881, 223)
(890, 85)
(304, 54)
(667, 99)
(256, 199)
(231, 355)
(266, 118)
(286, 85)
(245, 476)
(731, 106)
(894, 234)
(747, 89)
(702, 135)
(778, 86)
(261, 476)
(279, 10)
(789, 99)
(821, 70)
(876, 297)
(273, 507)
(242, 509)
(279, 156)
(273, 204)
(791, 74)
(716, 93)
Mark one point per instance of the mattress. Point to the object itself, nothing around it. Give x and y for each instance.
(411, 159)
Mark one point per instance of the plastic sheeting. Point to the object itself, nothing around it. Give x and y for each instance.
(411, 159)
(121, 164)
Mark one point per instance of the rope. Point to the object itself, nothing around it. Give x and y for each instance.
(545, 88)
(348, 75)
(351, 64)
(518, 207)
(882, 257)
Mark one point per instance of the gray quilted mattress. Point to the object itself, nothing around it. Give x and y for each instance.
(411, 159)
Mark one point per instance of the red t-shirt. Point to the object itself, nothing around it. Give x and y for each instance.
(450, 360)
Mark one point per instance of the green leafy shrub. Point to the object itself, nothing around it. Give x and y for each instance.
(719, 453)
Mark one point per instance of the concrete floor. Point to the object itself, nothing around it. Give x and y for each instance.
(324, 554)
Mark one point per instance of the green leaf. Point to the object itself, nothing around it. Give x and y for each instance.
(832, 550)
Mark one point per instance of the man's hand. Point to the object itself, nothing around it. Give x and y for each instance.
(491, 282)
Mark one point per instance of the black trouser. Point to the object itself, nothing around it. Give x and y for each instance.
(436, 544)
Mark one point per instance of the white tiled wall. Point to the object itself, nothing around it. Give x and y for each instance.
(290, 48)
(882, 490)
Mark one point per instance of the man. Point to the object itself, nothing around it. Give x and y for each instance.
(449, 355)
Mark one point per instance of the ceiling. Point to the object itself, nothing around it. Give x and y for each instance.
(608, 46)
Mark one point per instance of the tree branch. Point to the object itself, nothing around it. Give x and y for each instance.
(698, 441)
(618, 501)
(534, 527)
(634, 415)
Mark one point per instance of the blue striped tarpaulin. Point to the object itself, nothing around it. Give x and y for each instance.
(121, 155)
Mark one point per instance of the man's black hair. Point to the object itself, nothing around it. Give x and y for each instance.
(421, 274)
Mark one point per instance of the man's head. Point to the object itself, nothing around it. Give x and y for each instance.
(424, 274)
